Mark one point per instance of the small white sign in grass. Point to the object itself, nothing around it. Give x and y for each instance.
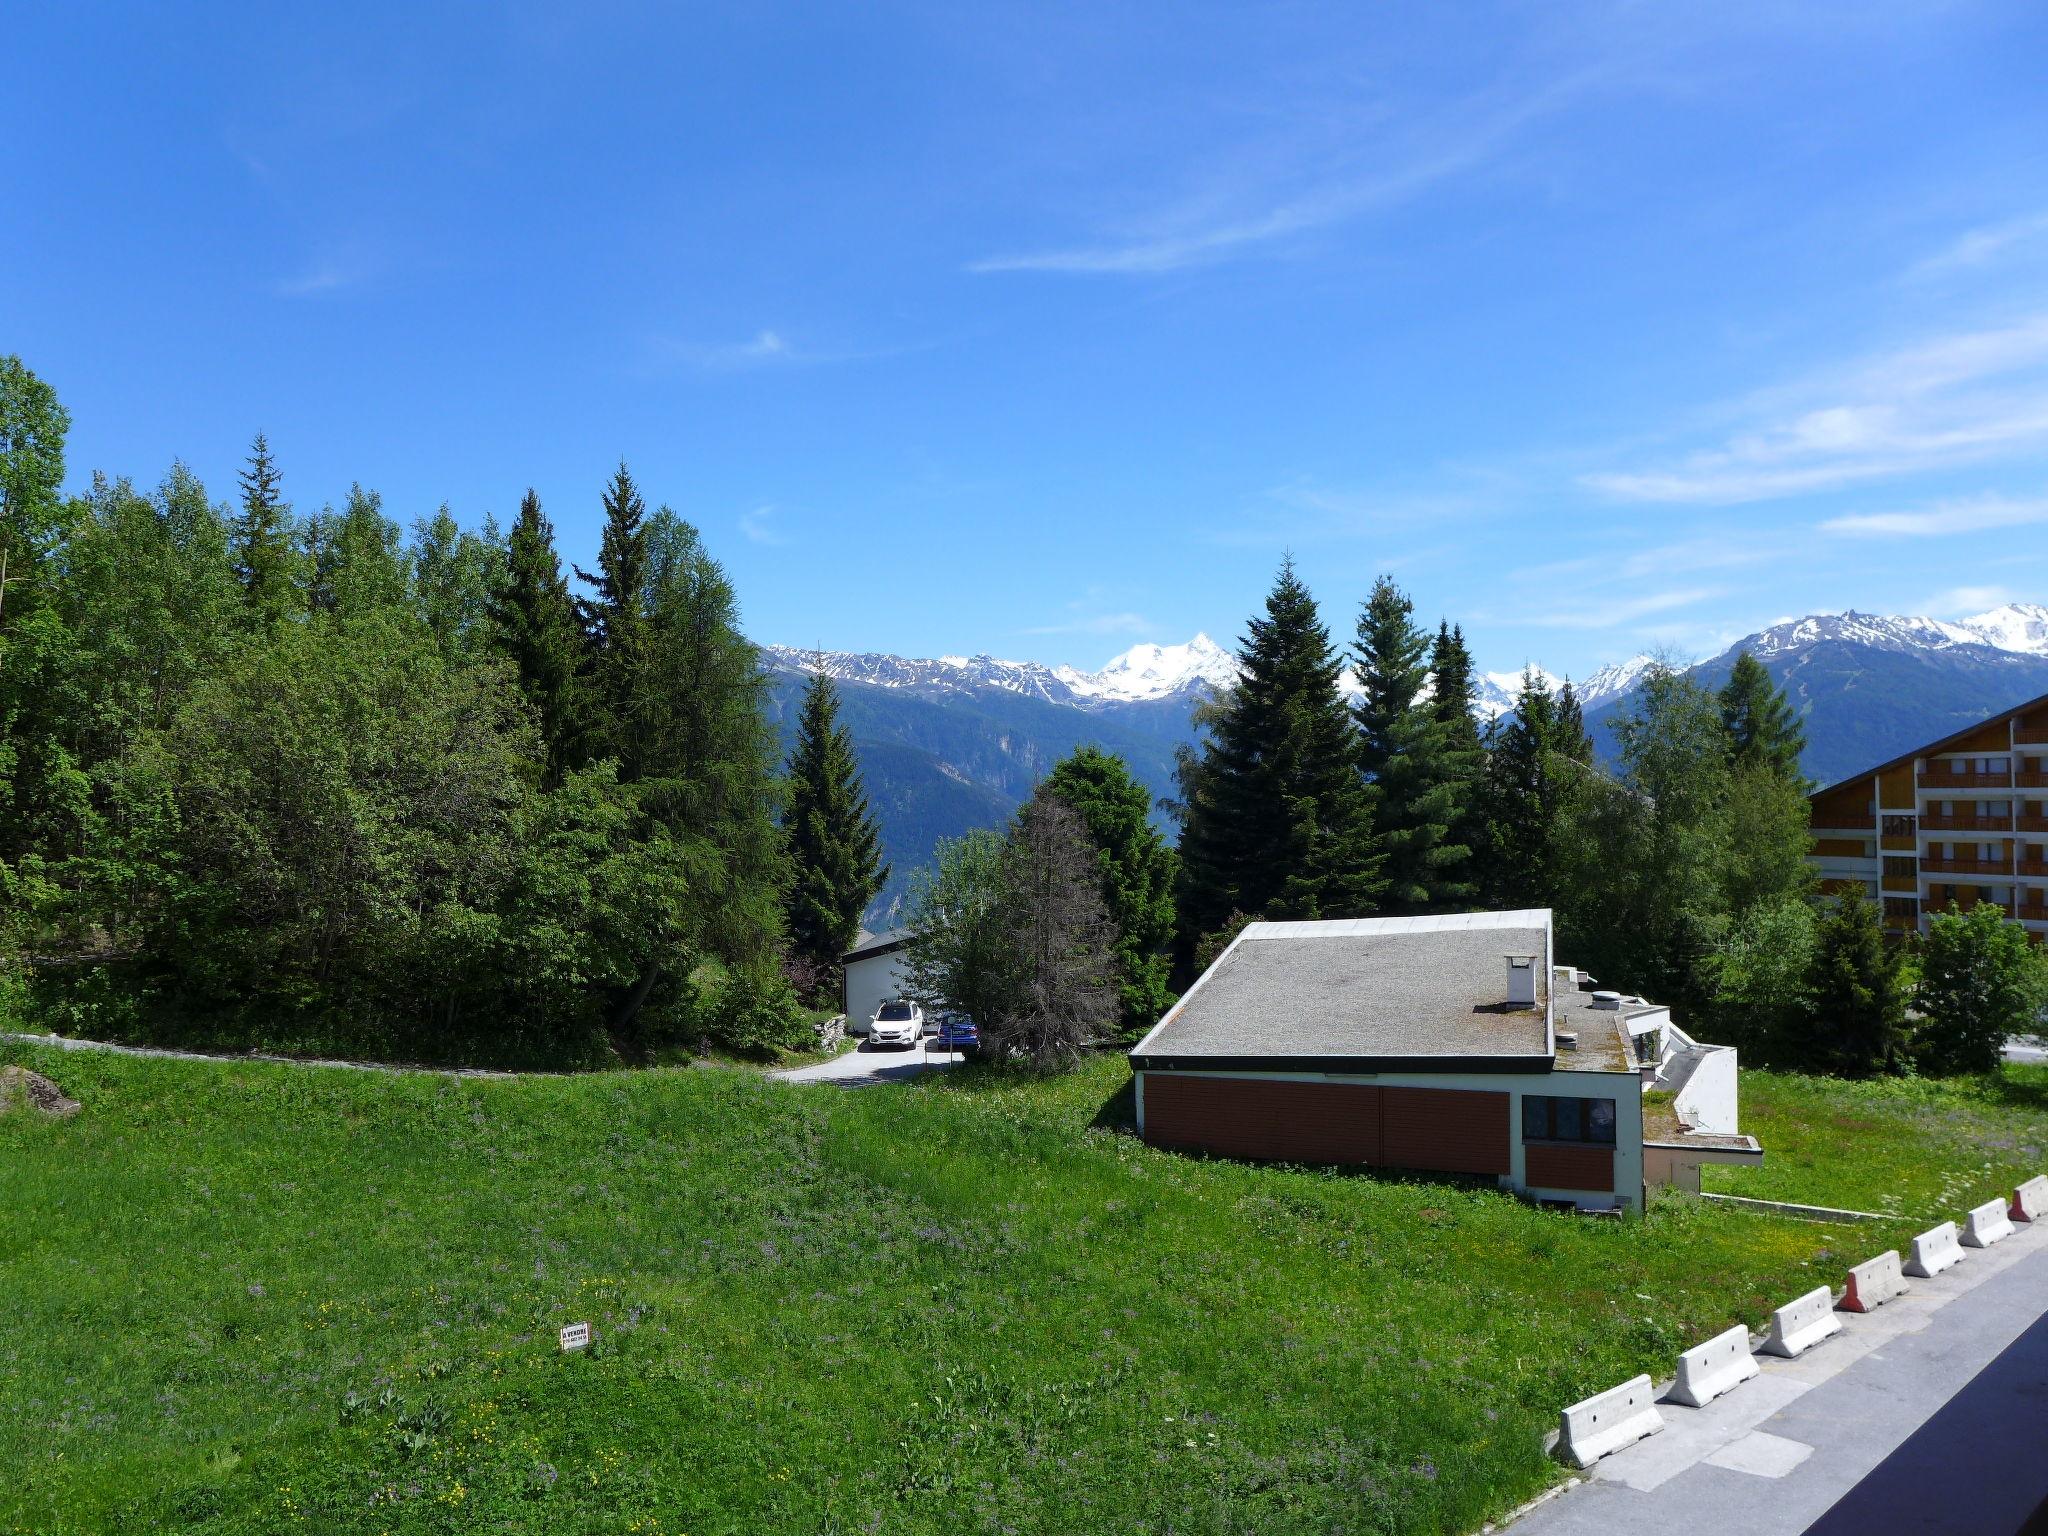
(576, 1336)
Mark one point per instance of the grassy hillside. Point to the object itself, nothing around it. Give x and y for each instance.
(259, 1298)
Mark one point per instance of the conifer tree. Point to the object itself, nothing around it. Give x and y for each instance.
(1522, 798)
(261, 540)
(1764, 731)
(534, 619)
(1454, 702)
(614, 621)
(1405, 752)
(1570, 738)
(834, 840)
(1278, 822)
(1138, 872)
(1856, 1023)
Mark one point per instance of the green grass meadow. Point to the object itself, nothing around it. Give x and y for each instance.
(256, 1298)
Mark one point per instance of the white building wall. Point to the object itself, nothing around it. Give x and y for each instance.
(1707, 1102)
(870, 982)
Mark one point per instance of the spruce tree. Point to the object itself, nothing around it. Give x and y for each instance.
(1570, 738)
(261, 541)
(1521, 799)
(1278, 822)
(614, 621)
(1138, 872)
(1405, 752)
(833, 838)
(1856, 1023)
(1453, 699)
(534, 620)
(1764, 731)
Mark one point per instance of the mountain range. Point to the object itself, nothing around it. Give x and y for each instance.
(950, 743)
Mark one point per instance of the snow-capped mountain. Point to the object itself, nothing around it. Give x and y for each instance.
(1156, 671)
(1141, 673)
(2021, 628)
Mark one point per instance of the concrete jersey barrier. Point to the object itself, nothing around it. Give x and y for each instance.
(1607, 1421)
(1799, 1325)
(1987, 1224)
(2030, 1200)
(1874, 1282)
(1933, 1251)
(1707, 1370)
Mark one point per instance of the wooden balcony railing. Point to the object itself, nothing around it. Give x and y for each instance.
(1966, 866)
(1965, 823)
(2031, 778)
(2030, 735)
(2038, 913)
(1840, 823)
(2033, 823)
(2034, 869)
(1949, 778)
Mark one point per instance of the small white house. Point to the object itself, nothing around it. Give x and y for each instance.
(875, 974)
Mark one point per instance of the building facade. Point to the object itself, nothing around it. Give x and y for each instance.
(1963, 820)
(1443, 1044)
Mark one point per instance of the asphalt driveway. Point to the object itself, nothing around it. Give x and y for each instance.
(868, 1064)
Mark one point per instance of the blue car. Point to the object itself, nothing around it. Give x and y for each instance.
(957, 1032)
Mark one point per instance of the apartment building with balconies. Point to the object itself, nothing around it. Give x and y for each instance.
(1963, 820)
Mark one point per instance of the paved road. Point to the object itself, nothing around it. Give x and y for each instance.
(2026, 1048)
(866, 1065)
(1927, 1415)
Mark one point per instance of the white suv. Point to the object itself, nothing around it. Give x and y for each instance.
(897, 1023)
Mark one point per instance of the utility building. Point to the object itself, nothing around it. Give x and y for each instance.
(1449, 1044)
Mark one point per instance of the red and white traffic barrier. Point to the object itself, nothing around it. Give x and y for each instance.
(1873, 1283)
(2030, 1200)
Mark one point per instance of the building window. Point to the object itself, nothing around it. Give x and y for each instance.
(1901, 906)
(1898, 826)
(1545, 1118)
(1906, 866)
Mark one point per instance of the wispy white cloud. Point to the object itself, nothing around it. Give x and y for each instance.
(1676, 559)
(1961, 398)
(1975, 514)
(1096, 624)
(1980, 247)
(1965, 602)
(1248, 210)
(344, 266)
(758, 524)
(1604, 610)
(1301, 512)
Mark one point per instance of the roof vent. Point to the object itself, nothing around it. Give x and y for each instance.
(1521, 981)
(1608, 1000)
(1567, 1040)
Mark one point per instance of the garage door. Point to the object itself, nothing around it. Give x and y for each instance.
(1444, 1130)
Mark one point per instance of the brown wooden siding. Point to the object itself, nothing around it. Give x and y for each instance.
(1444, 1130)
(1841, 848)
(1454, 1130)
(1992, 738)
(1547, 1165)
(1895, 789)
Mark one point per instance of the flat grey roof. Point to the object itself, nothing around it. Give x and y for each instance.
(1406, 987)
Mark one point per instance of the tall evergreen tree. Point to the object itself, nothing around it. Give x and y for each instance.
(1405, 751)
(615, 624)
(1454, 700)
(1522, 797)
(834, 840)
(1571, 738)
(1764, 731)
(1855, 1025)
(1278, 822)
(1138, 872)
(359, 560)
(534, 619)
(262, 542)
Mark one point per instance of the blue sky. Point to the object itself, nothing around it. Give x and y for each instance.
(1040, 330)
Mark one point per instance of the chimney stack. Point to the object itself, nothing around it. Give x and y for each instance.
(1521, 981)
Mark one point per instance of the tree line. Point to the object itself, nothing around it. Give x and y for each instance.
(307, 779)
(1337, 781)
